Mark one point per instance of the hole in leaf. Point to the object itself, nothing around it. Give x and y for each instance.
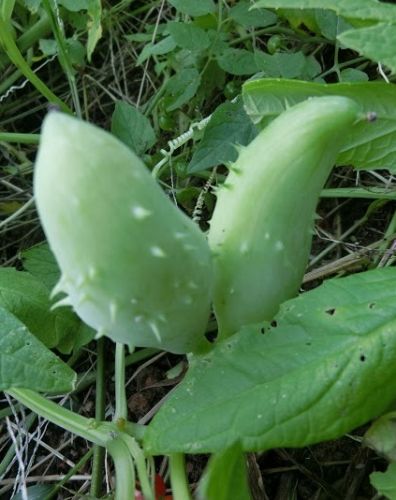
(372, 305)
(362, 358)
(330, 311)
(262, 330)
(308, 343)
(274, 324)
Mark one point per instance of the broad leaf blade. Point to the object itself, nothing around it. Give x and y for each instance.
(25, 362)
(308, 379)
(375, 42)
(228, 127)
(225, 476)
(353, 9)
(369, 145)
(28, 299)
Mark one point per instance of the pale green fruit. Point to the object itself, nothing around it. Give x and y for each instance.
(261, 229)
(134, 267)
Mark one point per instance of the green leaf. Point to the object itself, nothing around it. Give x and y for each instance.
(381, 436)
(330, 24)
(182, 87)
(132, 127)
(368, 146)
(242, 14)
(41, 263)
(309, 378)
(94, 26)
(353, 9)
(74, 5)
(225, 476)
(385, 482)
(238, 62)
(165, 46)
(26, 362)
(189, 36)
(376, 42)
(289, 65)
(28, 299)
(353, 75)
(194, 8)
(228, 126)
(37, 492)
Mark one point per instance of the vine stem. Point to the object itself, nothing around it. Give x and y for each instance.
(100, 434)
(180, 490)
(98, 451)
(121, 409)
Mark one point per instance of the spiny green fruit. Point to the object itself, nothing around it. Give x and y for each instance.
(134, 267)
(261, 229)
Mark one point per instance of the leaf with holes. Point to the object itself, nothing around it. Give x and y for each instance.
(25, 362)
(367, 147)
(314, 375)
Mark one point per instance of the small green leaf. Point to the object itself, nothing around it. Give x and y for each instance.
(225, 476)
(94, 26)
(353, 75)
(375, 42)
(182, 87)
(194, 8)
(381, 436)
(37, 492)
(132, 127)
(238, 62)
(368, 146)
(385, 482)
(41, 263)
(74, 5)
(228, 126)
(242, 14)
(309, 378)
(330, 24)
(188, 36)
(25, 362)
(164, 46)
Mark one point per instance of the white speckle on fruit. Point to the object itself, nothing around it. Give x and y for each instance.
(179, 235)
(267, 236)
(157, 252)
(92, 272)
(279, 246)
(140, 213)
(113, 311)
(244, 247)
(155, 330)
